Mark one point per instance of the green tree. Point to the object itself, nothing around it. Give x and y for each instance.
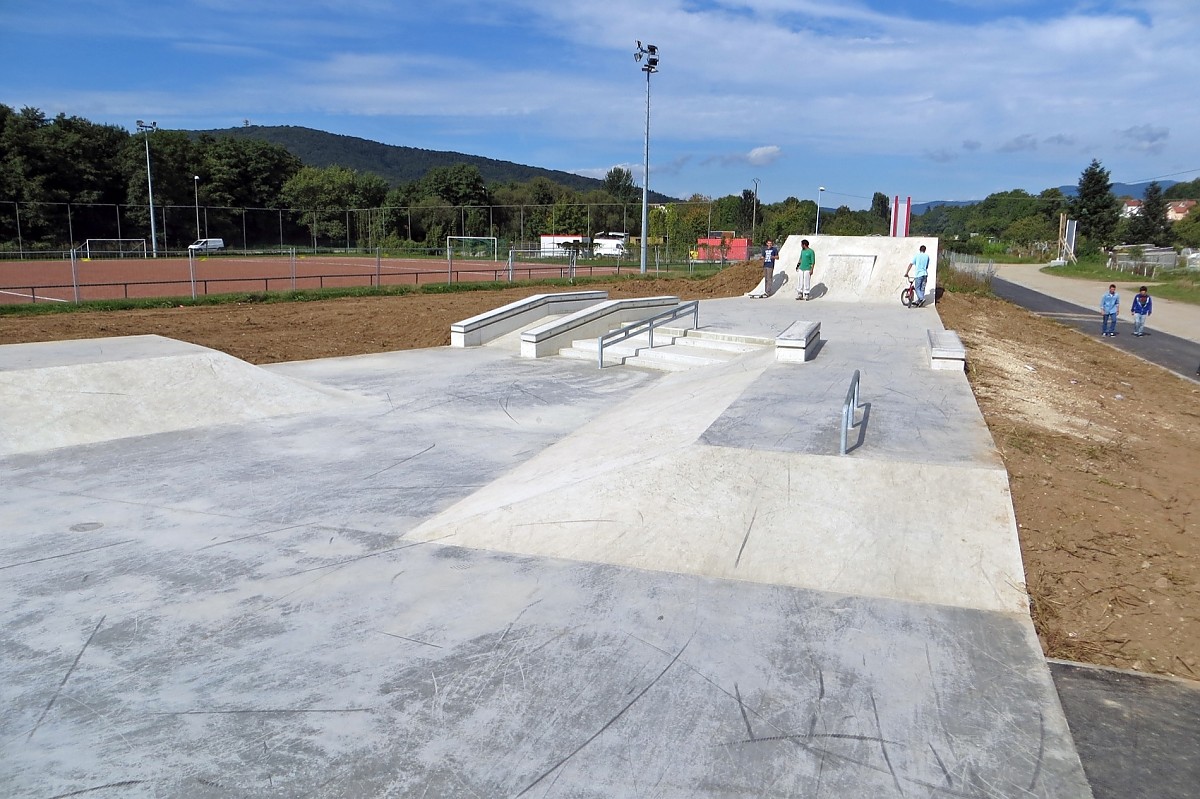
(790, 217)
(1150, 225)
(1187, 230)
(236, 174)
(880, 206)
(1189, 190)
(619, 185)
(1032, 233)
(322, 199)
(1095, 206)
(461, 184)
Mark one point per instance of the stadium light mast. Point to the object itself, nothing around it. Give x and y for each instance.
(754, 212)
(817, 228)
(196, 178)
(148, 129)
(650, 53)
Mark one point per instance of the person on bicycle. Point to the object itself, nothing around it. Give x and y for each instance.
(921, 262)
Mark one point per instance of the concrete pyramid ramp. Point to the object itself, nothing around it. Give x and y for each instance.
(851, 268)
(66, 393)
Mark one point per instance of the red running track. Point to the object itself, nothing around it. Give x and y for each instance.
(52, 281)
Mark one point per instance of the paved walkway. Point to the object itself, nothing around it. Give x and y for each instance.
(1177, 318)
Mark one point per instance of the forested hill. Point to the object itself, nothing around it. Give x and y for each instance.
(397, 164)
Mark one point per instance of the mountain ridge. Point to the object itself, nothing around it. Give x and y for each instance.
(398, 164)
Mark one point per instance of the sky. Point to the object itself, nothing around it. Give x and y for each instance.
(929, 99)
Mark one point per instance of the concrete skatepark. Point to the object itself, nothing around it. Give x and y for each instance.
(463, 572)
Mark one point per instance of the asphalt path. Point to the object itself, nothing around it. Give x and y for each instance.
(1170, 352)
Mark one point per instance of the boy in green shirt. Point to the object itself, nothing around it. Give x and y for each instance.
(806, 267)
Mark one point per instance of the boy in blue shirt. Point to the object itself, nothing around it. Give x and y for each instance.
(1110, 303)
(921, 262)
(1142, 306)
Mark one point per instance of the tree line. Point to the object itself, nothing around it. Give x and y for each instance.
(66, 179)
(1017, 220)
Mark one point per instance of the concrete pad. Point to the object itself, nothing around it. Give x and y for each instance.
(67, 393)
(281, 664)
(242, 609)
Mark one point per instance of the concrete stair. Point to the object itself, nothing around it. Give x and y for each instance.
(675, 349)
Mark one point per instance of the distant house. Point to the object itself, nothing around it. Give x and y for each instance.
(1179, 209)
(1131, 208)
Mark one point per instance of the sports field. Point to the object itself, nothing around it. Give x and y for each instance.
(122, 278)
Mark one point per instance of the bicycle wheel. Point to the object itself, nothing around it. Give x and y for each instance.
(908, 296)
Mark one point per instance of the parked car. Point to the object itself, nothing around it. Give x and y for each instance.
(207, 245)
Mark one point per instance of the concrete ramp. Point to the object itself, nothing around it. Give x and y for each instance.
(66, 393)
(640, 487)
(852, 268)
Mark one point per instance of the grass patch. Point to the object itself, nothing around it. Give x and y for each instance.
(966, 278)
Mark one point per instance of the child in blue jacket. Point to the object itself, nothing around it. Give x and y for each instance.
(1110, 303)
(1142, 306)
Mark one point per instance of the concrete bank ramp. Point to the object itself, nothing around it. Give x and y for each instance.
(66, 393)
(641, 487)
(851, 268)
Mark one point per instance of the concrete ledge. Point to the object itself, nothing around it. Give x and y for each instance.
(477, 330)
(797, 343)
(946, 350)
(594, 320)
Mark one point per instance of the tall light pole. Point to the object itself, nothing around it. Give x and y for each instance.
(197, 180)
(153, 126)
(754, 212)
(820, 191)
(650, 53)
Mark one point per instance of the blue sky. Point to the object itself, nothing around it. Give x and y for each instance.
(934, 99)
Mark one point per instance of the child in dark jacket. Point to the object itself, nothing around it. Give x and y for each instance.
(1142, 306)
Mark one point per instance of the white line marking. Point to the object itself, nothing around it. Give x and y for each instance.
(30, 296)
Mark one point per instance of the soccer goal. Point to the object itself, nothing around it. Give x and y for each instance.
(112, 248)
(472, 248)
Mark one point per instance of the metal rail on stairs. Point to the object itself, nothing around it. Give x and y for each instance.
(647, 325)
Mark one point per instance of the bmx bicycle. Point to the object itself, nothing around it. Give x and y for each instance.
(908, 294)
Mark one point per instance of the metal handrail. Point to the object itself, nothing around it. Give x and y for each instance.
(647, 324)
(849, 407)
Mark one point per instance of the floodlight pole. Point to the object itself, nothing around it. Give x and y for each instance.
(196, 178)
(147, 129)
(650, 53)
(754, 212)
(820, 191)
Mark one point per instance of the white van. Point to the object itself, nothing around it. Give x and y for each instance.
(207, 245)
(610, 244)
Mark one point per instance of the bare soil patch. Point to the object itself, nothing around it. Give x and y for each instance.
(1101, 448)
(1101, 451)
